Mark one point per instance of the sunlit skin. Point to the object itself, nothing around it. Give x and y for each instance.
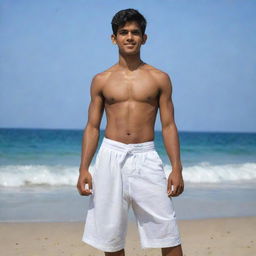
(131, 92)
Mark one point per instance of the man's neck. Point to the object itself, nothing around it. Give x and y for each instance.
(131, 62)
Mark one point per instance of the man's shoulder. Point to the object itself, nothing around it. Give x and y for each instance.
(158, 74)
(104, 75)
(100, 76)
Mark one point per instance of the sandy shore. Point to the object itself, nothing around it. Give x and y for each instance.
(224, 236)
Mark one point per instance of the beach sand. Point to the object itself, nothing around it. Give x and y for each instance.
(220, 236)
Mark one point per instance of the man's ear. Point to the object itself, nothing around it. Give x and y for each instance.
(144, 38)
(113, 39)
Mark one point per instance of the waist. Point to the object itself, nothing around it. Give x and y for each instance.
(132, 147)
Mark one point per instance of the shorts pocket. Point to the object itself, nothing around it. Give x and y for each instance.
(154, 168)
(155, 162)
(157, 157)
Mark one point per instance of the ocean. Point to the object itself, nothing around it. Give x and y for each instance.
(39, 170)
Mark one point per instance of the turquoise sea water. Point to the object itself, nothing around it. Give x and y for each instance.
(44, 164)
(52, 157)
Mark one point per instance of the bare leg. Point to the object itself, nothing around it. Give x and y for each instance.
(118, 253)
(172, 251)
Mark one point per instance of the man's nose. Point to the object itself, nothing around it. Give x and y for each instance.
(129, 36)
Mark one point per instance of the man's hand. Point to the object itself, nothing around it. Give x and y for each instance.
(84, 178)
(175, 179)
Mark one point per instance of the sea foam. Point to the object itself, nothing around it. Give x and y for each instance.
(58, 175)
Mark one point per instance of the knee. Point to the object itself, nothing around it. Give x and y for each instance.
(175, 250)
(117, 253)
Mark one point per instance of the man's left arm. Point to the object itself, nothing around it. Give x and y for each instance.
(170, 136)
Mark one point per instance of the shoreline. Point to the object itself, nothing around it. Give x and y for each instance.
(214, 236)
(131, 220)
(50, 205)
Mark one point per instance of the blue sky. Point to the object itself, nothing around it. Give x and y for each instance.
(51, 49)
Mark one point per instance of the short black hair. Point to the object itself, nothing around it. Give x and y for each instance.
(123, 16)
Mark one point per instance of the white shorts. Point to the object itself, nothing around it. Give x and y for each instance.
(124, 175)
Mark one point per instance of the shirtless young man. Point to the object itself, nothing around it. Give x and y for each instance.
(128, 170)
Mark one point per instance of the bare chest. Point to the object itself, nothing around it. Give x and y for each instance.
(130, 89)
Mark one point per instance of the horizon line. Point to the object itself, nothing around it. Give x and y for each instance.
(102, 130)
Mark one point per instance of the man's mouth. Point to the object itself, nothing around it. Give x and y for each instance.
(129, 44)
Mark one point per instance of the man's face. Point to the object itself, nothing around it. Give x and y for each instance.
(129, 38)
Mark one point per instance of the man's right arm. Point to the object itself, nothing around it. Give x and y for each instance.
(91, 135)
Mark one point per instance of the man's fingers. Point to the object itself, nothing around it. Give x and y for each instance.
(88, 187)
(174, 191)
(86, 193)
(169, 186)
(180, 190)
(83, 189)
(84, 184)
(170, 189)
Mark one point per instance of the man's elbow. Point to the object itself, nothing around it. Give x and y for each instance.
(92, 128)
(168, 126)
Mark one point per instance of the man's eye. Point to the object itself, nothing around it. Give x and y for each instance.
(122, 32)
